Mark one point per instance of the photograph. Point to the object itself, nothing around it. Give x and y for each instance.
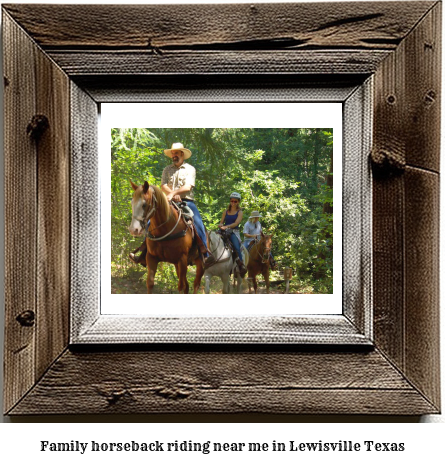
(223, 210)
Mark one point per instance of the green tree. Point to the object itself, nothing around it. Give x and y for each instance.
(286, 173)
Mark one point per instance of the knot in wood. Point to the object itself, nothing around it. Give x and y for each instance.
(114, 397)
(37, 126)
(26, 318)
(172, 393)
(387, 163)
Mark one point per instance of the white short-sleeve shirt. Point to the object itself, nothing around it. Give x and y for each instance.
(252, 228)
(175, 178)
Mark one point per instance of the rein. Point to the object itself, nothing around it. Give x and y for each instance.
(264, 257)
(181, 234)
(150, 214)
(222, 253)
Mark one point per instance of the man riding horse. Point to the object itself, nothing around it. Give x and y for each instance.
(177, 183)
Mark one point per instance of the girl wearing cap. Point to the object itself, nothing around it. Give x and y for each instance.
(252, 230)
(231, 220)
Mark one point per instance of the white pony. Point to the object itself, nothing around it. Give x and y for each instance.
(224, 264)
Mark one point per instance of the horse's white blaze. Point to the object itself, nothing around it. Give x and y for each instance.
(138, 212)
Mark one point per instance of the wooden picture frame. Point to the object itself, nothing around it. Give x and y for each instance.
(77, 56)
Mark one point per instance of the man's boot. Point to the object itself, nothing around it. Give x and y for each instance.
(141, 259)
(210, 259)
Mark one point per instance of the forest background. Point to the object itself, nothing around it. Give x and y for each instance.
(286, 174)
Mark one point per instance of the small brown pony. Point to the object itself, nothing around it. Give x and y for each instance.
(259, 261)
(168, 239)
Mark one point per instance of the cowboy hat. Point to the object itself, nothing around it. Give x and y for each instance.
(178, 146)
(255, 214)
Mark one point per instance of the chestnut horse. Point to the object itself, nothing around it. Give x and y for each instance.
(259, 261)
(169, 239)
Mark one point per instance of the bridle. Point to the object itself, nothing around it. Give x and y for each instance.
(153, 204)
(144, 220)
(264, 256)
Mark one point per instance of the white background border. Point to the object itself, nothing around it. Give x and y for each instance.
(219, 115)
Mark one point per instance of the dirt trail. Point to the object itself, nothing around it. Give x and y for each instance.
(135, 285)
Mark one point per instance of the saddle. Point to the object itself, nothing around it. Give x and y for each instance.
(251, 244)
(187, 216)
(225, 234)
(186, 211)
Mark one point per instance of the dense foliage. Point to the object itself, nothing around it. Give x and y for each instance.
(283, 173)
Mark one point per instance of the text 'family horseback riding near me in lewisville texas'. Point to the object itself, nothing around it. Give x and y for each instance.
(215, 447)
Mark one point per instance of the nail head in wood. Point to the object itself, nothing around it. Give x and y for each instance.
(26, 318)
(430, 97)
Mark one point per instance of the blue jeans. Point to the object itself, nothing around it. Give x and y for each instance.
(198, 221)
(247, 242)
(236, 244)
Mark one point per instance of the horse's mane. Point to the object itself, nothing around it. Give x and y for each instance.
(163, 205)
(258, 243)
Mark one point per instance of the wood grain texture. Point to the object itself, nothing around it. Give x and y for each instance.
(399, 42)
(218, 87)
(357, 209)
(223, 382)
(422, 364)
(113, 329)
(423, 91)
(20, 213)
(85, 185)
(407, 113)
(388, 268)
(53, 203)
(130, 63)
(229, 39)
(406, 240)
(377, 25)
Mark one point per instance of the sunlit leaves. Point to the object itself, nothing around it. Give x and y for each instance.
(281, 172)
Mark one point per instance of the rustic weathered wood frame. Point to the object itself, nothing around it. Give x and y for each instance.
(78, 56)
